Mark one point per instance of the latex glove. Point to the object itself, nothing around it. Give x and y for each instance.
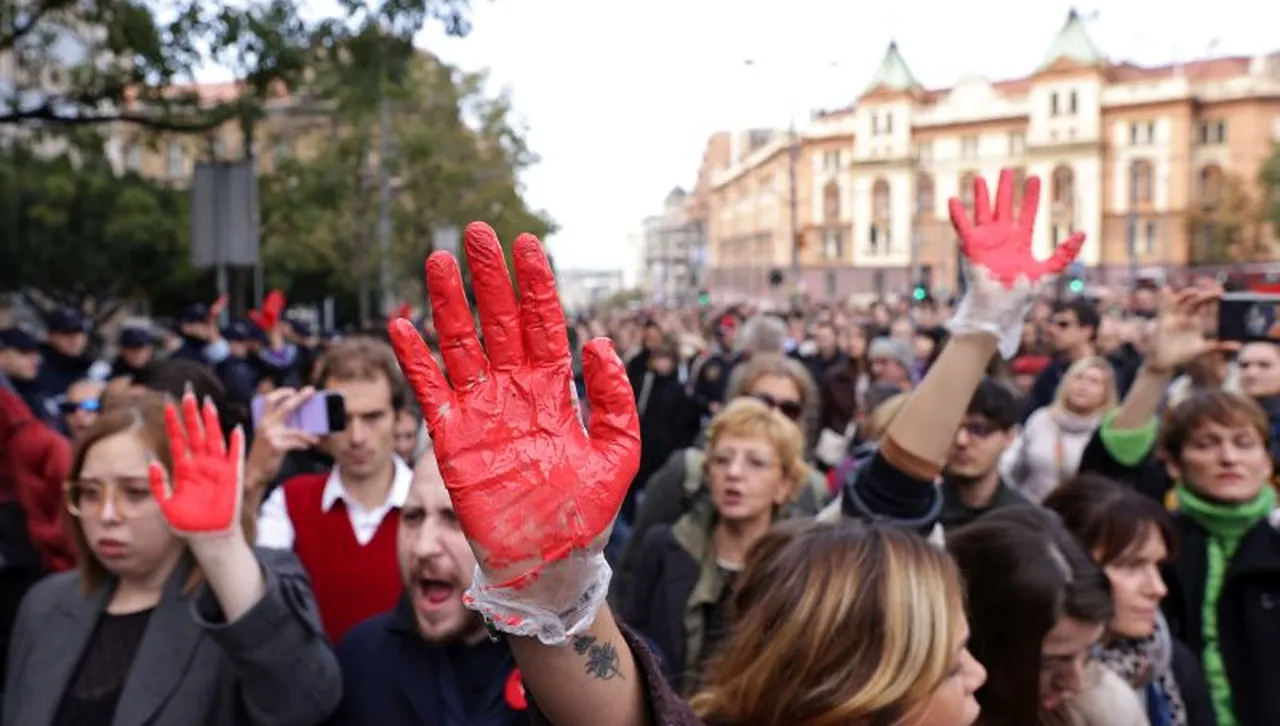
(535, 493)
(1004, 277)
(204, 496)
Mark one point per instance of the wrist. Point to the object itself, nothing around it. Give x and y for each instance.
(220, 551)
(1158, 370)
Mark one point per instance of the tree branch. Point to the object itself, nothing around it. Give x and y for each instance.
(34, 15)
(48, 115)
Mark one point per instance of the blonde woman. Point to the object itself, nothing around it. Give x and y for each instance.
(686, 571)
(1049, 449)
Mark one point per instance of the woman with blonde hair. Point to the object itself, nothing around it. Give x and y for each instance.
(1049, 449)
(172, 617)
(686, 571)
(845, 624)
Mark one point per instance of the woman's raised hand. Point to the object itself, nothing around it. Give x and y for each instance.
(1003, 275)
(203, 496)
(534, 492)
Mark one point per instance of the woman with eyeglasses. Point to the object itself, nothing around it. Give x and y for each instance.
(686, 571)
(171, 618)
(777, 381)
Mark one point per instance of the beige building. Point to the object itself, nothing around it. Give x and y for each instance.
(1157, 165)
(287, 128)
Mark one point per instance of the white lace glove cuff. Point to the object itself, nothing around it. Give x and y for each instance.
(989, 307)
(562, 600)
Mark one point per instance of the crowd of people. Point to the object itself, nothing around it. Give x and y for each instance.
(1010, 508)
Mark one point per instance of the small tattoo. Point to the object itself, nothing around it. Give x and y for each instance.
(602, 658)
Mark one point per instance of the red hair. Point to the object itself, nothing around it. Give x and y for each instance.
(33, 467)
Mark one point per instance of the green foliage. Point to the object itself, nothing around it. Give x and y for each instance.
(455, 157)
(455, 151)
(76, 231)
(1269, 180)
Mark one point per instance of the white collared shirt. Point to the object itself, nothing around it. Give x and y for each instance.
(275, 530)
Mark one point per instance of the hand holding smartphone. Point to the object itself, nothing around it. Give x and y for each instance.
(1247, 317)
(322, 414)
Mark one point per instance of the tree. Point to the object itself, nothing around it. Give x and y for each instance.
(79, 234)
(1229, 225)
(456, 154)
(1269, 181)
(84, 63)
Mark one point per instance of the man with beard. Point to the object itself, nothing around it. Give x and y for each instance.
(971, 483)
(429, 660)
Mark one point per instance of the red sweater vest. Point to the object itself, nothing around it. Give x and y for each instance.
(352, 582)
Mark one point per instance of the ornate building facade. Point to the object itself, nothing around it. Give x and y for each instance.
(1157, 165)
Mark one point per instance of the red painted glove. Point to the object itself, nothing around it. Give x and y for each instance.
(535, 493)
(205, 493)
(1003, 275)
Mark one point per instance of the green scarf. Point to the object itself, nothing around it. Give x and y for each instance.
(1226, 524)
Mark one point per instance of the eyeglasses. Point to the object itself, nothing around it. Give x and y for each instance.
(978, 428)
(92, 405)
(791, 409)
(129, 496)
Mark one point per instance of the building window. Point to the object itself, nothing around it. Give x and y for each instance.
(1017, 142)
(1220, 133)
(831, 202)
(1142, 181)
(175, 161)
(924, 151)
(1151, 236)
(1053, 104)
(888, 122)
(873, 239)
(1151, 132)
(1073, 104)
(831, 162)
(969, 147)
(1214, 132)
(966, 189)
(1211, 186)
(832, 244)
(133, 156)
(875, 124)
(924, 195)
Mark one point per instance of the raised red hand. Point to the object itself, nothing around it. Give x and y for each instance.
(529, 485)
(205, 493)
(1001, 244)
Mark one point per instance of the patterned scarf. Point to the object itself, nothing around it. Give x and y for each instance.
(1146, 665)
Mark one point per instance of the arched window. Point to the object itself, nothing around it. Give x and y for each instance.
(924, 195)
(966, 188)
(831, 202)
(880, 201)
(1211, 183)
(1064, 186)
(1142, 176)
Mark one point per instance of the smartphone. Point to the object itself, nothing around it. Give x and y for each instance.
(1249, 317)
(322, 414)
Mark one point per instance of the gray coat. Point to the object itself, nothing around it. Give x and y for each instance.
(272, 667)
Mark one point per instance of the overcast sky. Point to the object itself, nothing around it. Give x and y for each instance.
(620, 95)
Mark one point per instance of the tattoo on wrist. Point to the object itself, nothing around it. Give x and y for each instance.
(602, 658)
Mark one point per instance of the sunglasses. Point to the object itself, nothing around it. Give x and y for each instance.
(69, 407)
(791, 409)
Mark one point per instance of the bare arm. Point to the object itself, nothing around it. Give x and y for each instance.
(593, 679)
(921, 434)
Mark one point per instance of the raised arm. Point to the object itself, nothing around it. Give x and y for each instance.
(1004, 278)
(535, 493)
